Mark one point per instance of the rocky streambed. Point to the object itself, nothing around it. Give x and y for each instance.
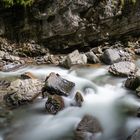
(89, 95)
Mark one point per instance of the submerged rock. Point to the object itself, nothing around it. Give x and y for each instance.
(54, 104)
(23, 91)
(75, 58)
(55, 84)
(124, 68)
(135, 135)
(87, 128)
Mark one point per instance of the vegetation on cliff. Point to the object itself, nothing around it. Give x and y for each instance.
(9, 3)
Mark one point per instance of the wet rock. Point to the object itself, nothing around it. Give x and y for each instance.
(55, 84)
(75, 58)
(92, 58)
(138, 91)
(137, 51)
(135, 135)
(54, 104)
(132, 82)
(11, 67)
(78, 99)
(87, 128)
(124, 68)
(23, 91)
(27, 75)
(111, 56)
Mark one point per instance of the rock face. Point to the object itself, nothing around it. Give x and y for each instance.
(66, 24)
(54, 104)
(55, 84)
(135, 135)
(23, 91)
(124, 68)
(87, 128)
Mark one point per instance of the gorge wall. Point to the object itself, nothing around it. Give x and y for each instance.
(62, 24)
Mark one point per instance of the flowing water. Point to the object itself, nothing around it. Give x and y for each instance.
(104, 98)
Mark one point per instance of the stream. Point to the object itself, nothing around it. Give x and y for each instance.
(105, 98)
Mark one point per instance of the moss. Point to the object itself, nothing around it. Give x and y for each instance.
(9, 3)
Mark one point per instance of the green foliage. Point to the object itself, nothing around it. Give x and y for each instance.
(123, 1)
(9, 3)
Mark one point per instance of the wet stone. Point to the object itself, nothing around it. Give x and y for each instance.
(55, 84)
(23, 91)
(111, 56)
(87, 128)
(75, 58)
(135, 135)
(27, 75)
(78, 99)
(54, 104)
(123, 69)
(132, 82)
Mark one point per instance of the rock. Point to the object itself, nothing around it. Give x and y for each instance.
(123, 69)
(23, 91)
(137, 51)
(78, 99)
(135, 135)
(54, 104)
(11, 67)
(27, 75)
(138, 91)
(111, 56)
(92, 58)
(4, 84)
(132, 82)
(87, 128)
(55, 84)
(75, 58)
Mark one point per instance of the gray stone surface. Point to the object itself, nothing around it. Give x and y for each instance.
(124, 68)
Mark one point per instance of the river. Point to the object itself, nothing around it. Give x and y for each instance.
(104, 98)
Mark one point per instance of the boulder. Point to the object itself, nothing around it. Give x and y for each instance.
(55, 84)
(111, 56)
(123, 69)
(87, 128)
(54, 104)
(132, 82)
(23, 91)
(135, 135)
(92, 58)
(75, 58)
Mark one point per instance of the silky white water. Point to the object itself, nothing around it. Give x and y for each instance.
(104, 98)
